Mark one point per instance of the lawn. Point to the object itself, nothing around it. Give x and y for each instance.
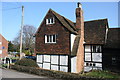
(101, 74)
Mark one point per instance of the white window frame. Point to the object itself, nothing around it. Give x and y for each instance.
(48, 36)
(50, 21)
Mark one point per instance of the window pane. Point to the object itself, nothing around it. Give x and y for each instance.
(50, 38)
(98, 48)
(97, 57)
(47, 58)
(47, 38)
(54, 36)
(48, 20)
(87, 48)
(87, 56)
(52, 20)
(54, 59)
(94, 48)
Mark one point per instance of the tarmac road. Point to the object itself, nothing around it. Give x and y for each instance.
(7, 73)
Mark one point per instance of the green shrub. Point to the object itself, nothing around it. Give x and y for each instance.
(4, 65)
(27, 62)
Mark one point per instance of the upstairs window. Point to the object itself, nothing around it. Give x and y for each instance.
(50, 38)
(50, 21)
(96, 48)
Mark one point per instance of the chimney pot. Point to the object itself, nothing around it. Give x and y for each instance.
(79, 5)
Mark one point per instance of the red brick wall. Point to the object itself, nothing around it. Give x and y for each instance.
(5, 45)
(80, 51)
(63, 38)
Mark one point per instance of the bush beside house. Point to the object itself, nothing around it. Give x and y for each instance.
(27, 62)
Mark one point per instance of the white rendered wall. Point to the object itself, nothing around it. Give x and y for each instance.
(87, 48)
(0, 43)
(46, 58)
(40, 65)
(97, 57)
(54, 67)
(63, 60)
(63, 68)
(39, 58)
(73, 64)
(46, 65)
(52, 62)
(88, 68)
(72, 40)
(87, 56)
(54, 59)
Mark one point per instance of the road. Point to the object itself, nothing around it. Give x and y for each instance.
(7, 73)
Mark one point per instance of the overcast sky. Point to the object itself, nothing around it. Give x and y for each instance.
(36, 11)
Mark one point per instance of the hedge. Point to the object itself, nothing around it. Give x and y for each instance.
(26, 62)
(53, 74)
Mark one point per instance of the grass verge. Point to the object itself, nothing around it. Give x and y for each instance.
(101, 74)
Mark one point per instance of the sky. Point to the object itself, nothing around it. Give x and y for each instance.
(34, 12)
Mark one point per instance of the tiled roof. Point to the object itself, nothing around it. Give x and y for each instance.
(66, 22)
(113, 39)
(95, 31)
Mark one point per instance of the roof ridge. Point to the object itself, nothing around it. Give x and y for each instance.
(115, 28)
(97, 20)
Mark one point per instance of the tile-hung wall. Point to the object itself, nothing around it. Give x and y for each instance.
(0, 47)
(53, 62)
(93, 57)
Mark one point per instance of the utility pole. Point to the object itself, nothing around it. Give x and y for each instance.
(21, 31)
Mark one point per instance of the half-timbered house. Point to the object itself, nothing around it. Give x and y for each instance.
(71, 46)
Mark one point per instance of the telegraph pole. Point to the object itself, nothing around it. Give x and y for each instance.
(21, 31)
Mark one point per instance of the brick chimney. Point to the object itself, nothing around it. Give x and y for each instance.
(80, 29)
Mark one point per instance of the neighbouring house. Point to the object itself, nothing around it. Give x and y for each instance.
(76, 46)
(3, 47)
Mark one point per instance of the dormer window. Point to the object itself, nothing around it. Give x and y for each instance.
(50, 38)
(50, 21)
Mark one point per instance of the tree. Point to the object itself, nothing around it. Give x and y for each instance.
(28, 38)
(10, 46)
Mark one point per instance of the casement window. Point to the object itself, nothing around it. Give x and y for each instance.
(50, 38)
(96, 48)
(50, 21)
